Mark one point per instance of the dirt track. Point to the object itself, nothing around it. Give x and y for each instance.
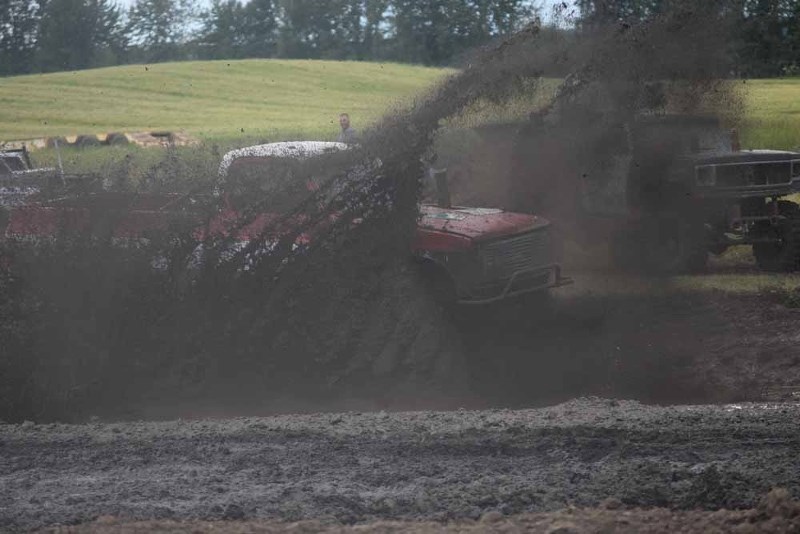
(361, 467)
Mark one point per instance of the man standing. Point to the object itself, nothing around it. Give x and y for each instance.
(348, 134)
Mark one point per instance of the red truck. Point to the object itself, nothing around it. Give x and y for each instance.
(475, 255)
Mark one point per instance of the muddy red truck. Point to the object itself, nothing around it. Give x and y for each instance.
(471, 255)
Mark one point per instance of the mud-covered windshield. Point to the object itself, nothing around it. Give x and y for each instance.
(278, 182)
(9, 164)
(676, 137)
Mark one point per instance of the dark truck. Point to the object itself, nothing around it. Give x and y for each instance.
(475, 255)
(19, 179)
(681, 187)
(16, 163)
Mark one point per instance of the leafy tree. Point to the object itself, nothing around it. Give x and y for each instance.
(435, 31)
(765, 33)
(769, 40)
(223, 30)
(79, 34)
(260, 29)
(374, 34)
(160, 28)
(603, 11)
(311, 29)
(19, 27)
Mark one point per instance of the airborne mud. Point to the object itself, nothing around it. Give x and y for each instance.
(90, 328)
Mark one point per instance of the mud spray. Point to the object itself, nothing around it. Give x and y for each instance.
(90, 330)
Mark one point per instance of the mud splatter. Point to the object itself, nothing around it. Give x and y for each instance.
(347, 312)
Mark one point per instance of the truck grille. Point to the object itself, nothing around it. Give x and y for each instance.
(754, 174)
(501, 259)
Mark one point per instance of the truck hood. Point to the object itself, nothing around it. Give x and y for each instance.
(478, 223)
(745, 156)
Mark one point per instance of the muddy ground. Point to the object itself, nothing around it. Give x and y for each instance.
(359, 467)
(489, 465)
(609, 335)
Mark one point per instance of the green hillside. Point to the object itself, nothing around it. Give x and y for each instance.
(250, 100)
(773, 118)
(211, 99)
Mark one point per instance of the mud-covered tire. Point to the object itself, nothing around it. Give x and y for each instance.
(661, 245)
(439, 284)
(626, 249)
(785, 255)
(675, 245)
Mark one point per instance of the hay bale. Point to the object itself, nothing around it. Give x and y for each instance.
(84, 141)
(59, 140)
(116, 139)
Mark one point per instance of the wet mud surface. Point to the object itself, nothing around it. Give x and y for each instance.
(608, 336)
(777, 512)
(620, 337)
(439, 466)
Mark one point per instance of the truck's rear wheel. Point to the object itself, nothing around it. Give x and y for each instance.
(783, 255)
(663, 245)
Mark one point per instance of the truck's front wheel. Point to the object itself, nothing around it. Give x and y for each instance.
(676, 247)
(782, 255)
(438, 283)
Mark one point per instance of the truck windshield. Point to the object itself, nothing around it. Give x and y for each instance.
(9, 164)
(276, 183)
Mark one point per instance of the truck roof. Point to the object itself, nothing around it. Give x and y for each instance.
(290, 149)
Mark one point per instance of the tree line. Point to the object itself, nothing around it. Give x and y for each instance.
(55, 35)
(765, 33)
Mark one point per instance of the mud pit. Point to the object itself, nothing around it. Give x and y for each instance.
(636, 338)
(609, 335)
(461, 466)
(409, 466)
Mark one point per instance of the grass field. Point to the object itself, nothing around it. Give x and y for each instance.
(773, 116)
(237, 101)
(213, 99)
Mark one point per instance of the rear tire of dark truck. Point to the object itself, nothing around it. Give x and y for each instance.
(784, 255)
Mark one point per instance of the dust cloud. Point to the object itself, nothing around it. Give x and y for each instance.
(90, 329)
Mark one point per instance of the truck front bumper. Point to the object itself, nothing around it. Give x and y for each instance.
(521, 283)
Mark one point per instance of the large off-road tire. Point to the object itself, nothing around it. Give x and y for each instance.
(667, 244)
(626, 249)
(783, 256)
(438, 284)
